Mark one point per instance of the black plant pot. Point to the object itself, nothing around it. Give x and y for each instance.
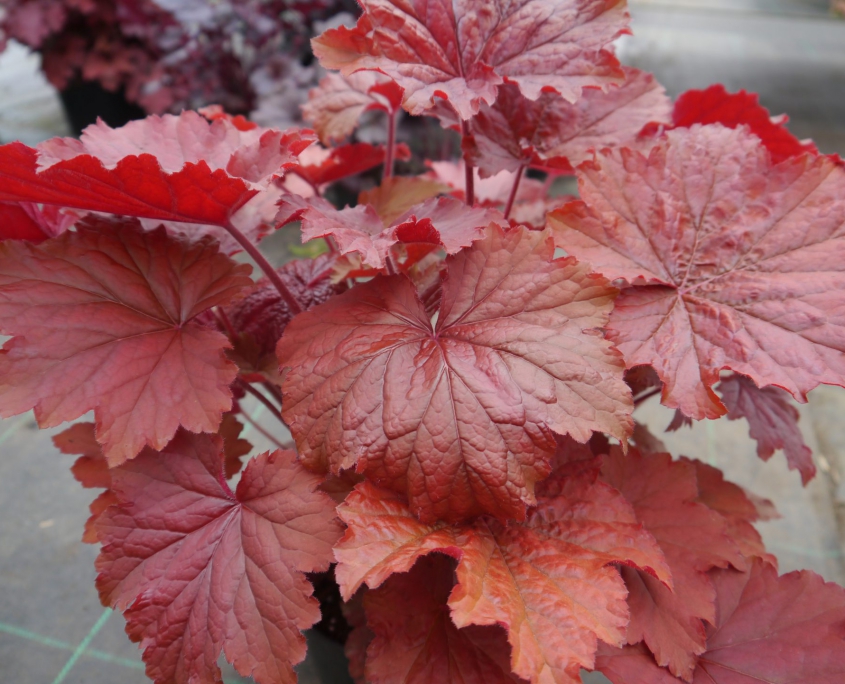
(84, 101)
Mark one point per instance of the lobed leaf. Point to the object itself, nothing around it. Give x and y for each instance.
(419, 643)
(547, 581)
(734, 263)
(462, 51)
(336, 106)
(769, 630)
(103, 320)
(198, 569)
(772, 421)
(255, 155)
(554, 134)
(91, 470)
(457, 415)
(694, 539)
(442, 221)
(714, 105)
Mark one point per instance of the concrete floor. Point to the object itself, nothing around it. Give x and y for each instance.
(52, 626)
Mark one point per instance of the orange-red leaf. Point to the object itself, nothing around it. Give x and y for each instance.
(547, 581)
(693, 537)
(461, 51)
(457, 415)
(416, 641)
(198, 569)
(102, 319)
(735, 263)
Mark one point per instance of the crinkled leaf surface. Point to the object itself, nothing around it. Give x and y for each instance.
(735, 263)
(416, 641)
(102, 320)
(462, 50)
(335, 107)
(255, 155)
(547, 581)
(552, 133)
(716, 105)
(198, 569)
(457, 415)
(769, 630)
(694, 539)
(772, 421)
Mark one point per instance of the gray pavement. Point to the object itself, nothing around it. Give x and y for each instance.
(53, 629)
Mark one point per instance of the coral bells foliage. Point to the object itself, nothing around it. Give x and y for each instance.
(459, 382)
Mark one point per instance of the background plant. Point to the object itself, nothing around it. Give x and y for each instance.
(459, 370)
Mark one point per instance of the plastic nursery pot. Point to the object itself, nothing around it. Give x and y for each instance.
(85, 101)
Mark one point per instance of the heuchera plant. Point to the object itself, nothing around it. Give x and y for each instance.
(459, 371)
(167, 55)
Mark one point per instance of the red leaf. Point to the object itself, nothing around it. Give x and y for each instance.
(198, 569)
(337, 104)
(716, 105)
(551, 133)
(772, 421)
(136, 186)
(547, 581)
(28, 221)
(462, 51)
(216, 113)
(736, 263)
(736, 506)
(769, 630)
(103, 320)
(259, 317)
(360, 229)
(346, 160)
(91, 470)
(694, 539)
(255, 155)
(458, 415)
(234, 448)
(419, 643)
(359, 638)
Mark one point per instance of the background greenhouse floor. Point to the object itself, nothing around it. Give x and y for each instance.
(52, 626)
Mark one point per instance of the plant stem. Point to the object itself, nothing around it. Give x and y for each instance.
(469, 168)
(514, 190)
(390, 265)
(259, 428)
(274, 391)
(391, 146)
(265, 266)
(647, 395)
(264, 400)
